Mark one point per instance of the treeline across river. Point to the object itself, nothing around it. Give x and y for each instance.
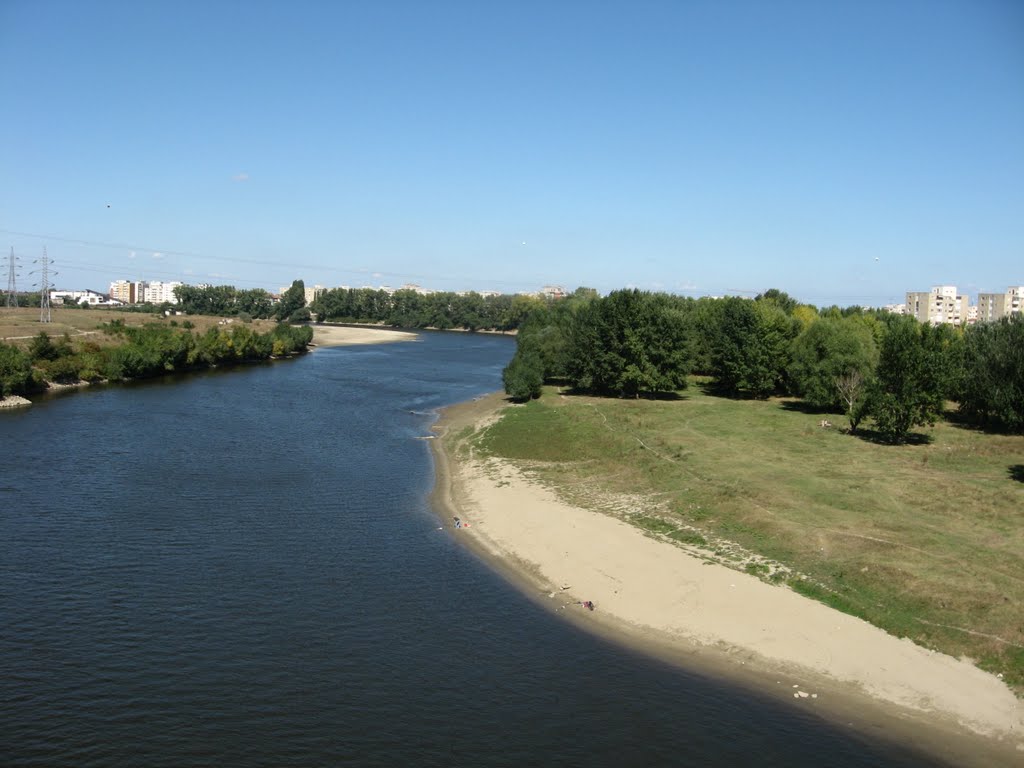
(868, 364)
(138, 352)
(403, 308)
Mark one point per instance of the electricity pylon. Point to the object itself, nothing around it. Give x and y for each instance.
(44, 288)
(12, 285)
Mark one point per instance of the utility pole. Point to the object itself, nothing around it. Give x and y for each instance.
(12, 286)
(44, 290)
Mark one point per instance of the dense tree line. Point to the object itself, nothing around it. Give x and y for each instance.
(409, 309)
(224, 301)
(892, 370)
(141, 352)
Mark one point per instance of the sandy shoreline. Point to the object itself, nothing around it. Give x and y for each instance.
(656, 596)
(339, 336)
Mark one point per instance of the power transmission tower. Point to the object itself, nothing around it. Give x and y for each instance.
(44, 290)
(12, 285)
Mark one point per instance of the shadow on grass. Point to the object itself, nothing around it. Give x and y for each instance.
(660, 396)
(876, 437)
(711, 389)
(1016, 472)
(960, 421)
(799, 406)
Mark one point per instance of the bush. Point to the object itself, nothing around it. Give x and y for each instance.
(523, 377)
(15, 371)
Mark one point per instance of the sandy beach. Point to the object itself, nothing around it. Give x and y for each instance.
(339, 336)
(657, 596)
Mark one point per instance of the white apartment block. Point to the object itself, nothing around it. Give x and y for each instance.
(158, 291)
(939, 305)
(993, 306)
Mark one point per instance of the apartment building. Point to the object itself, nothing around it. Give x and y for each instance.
(127, 291)
(993, 306)
(140, 291)
(940, 305)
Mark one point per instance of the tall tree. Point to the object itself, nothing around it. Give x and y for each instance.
(750, 347)
(827, 350)
(627, 343)
(908, 389)
(992, 386)
(293, 300)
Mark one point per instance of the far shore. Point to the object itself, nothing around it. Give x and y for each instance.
(656, 597)
(339, 336)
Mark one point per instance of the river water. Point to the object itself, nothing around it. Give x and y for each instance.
(243, 569)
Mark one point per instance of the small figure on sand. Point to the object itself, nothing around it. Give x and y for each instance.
(588, 604)
(458, 523)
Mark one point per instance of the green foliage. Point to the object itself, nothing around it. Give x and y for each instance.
(293, 300)
(406, 308)
(223, 300)
(750, 347)
(780, 299)
(627, 343)
(524, 376)
(15, 371)
(825, 352)
(911, 379)
(991, 392)
(63, 370)
(42, 347)
(155, 349)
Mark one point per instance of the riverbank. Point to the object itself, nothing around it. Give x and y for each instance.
(656, 596)
(339, 336)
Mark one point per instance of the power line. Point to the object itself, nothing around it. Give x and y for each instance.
(259, 262)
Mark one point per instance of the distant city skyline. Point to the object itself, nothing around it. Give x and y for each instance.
(846, 153)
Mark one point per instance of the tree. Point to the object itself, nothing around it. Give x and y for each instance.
(15, 371)
(293, 300)
(42, 348)
(827, 350)
(908, 389)
(523, 377)
(781, 299)
(627, 343)
(750, 347)
(852, 386)
(991, 391)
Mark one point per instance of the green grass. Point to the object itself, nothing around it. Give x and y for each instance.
(925, 541)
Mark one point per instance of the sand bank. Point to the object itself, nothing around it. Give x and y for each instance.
(656, 594)
(338, 335)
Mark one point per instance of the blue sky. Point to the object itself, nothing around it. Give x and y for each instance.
(843, 152)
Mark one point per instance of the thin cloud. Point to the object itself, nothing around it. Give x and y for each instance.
(157, 255)
(240, 177)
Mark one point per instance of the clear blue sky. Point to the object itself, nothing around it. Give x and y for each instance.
(842, 151)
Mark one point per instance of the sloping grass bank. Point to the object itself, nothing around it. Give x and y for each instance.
(924, 540)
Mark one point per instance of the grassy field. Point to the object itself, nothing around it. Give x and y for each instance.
(924, 540)
(19, 325)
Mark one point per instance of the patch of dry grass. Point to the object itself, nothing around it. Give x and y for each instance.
(19, 324)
